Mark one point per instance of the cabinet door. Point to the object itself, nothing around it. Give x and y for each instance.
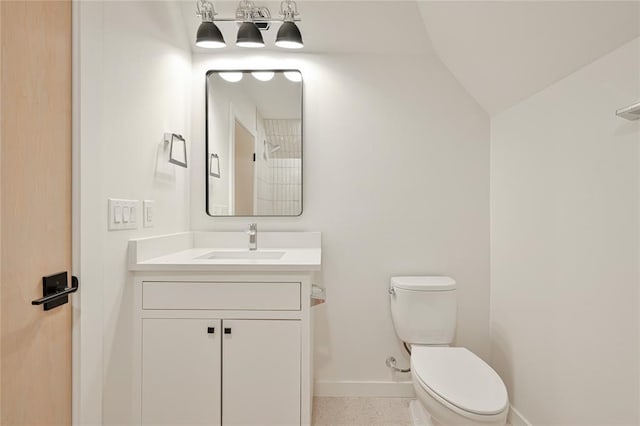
(181, 371)
(261, 372)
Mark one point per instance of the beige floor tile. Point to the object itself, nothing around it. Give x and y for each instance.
(357, 411)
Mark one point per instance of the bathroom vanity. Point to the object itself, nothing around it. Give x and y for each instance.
(222, 334)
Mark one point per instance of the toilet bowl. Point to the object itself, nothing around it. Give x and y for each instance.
(457, 388)
(453, 386)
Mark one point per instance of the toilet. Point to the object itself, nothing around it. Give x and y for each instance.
(453, 385)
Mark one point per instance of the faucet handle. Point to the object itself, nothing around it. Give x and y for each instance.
(253, 236)
(253, 229)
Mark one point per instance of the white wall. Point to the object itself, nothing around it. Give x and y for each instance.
(564, 247)
(135, 68)
(396, 177)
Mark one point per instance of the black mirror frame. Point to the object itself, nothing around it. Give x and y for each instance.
(206, 140)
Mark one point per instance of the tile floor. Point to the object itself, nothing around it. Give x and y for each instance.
(357, 411)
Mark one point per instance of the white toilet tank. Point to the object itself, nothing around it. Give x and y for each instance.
(424, 309)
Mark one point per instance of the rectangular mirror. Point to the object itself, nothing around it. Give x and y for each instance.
(254, 143)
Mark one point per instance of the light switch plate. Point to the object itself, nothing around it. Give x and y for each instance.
(148, 213)
(122, 214)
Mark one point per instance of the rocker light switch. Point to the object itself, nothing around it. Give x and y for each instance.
(148, 212)
(117, 214)
(122, 214)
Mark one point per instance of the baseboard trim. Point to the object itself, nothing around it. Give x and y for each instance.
(515, 418)
(371, 389)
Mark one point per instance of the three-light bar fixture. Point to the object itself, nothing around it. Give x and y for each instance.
(252, 20)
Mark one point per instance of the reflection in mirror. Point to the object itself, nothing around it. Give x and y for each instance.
(254, 136)
(214, 166)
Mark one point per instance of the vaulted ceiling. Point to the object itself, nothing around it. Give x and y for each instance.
(504, 51)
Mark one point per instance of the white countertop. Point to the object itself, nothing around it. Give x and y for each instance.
(182, 252)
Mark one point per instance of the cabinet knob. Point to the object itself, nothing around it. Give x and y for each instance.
(211, 330)
(227, 330)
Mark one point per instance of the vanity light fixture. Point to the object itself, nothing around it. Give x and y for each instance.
(289, 36)
(252, 19)
(249, 35)
(209, 35)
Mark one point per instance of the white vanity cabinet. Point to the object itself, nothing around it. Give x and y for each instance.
(261, 372)
(224, 348)
(181, 371)
(208, 371)
(223, 340)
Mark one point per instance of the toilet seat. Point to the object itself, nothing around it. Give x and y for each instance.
(460, 380)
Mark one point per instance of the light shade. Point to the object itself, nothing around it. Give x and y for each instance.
(249, 35)
(209, 36)
(289, 36)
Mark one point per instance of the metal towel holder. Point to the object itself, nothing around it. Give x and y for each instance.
(632, 112)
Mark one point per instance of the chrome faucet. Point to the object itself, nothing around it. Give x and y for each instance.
(253, 236)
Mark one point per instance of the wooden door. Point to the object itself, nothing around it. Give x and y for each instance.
(181, 371)
(244, 170)
(35, 210)
(261, 372)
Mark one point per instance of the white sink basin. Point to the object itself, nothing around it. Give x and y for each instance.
(258, 254)
(227, 252)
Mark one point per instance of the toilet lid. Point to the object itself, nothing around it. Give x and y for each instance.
(461, 378)
(431, 283)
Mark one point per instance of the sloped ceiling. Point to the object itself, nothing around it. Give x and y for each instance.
(504, 51)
